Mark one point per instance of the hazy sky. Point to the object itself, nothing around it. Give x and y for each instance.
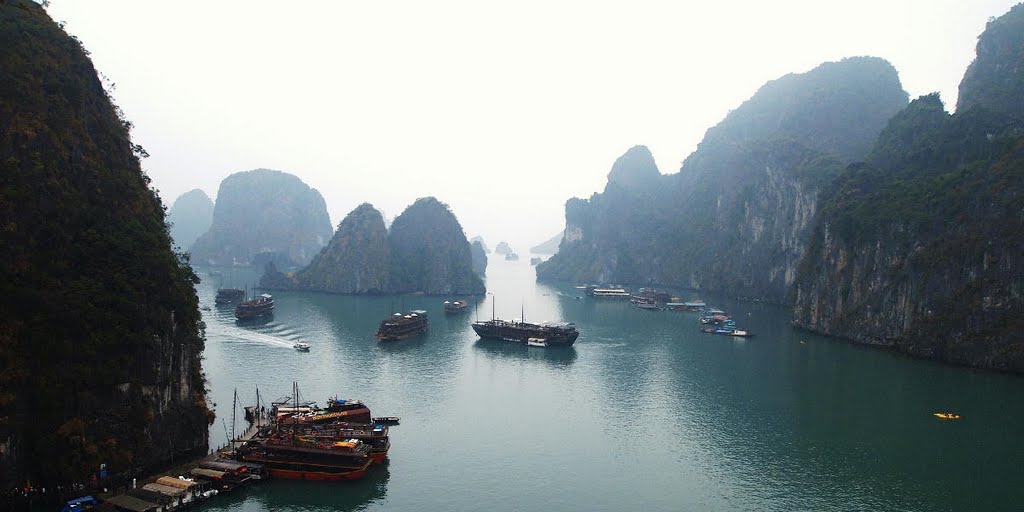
(502, 110)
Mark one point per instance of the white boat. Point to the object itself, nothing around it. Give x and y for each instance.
(301, 346)
(537, 342)
(741, 333)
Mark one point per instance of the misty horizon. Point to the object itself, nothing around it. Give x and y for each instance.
(503, 113)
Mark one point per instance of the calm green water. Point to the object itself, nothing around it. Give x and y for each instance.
(644, 412)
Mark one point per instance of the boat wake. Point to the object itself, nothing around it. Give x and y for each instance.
(254, 336)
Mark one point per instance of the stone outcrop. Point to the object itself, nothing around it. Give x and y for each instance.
(190, 216)
(264, 215)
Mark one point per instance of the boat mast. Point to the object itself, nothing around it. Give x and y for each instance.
(492, 307)
(234, 407)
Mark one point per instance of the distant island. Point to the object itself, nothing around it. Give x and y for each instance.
(424, 251)
(503, 249)
(264, 215)
(190, 216)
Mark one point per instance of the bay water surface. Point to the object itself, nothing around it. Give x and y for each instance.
(644, 412)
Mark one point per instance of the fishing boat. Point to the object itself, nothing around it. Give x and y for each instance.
(455, 307)
(401, 326)
(301, 346)
(255, 308)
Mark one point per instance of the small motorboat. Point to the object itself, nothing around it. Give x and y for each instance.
(386, 420)
(537, 342)
(946, 415)
(301, 346)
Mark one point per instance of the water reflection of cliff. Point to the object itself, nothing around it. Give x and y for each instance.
(498, 349)
(311, 496)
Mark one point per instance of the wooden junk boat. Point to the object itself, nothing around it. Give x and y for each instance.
(254, 308)
(298, 456)
(455, 306)
(399, 326)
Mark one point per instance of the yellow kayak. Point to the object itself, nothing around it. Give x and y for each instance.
(947, 416)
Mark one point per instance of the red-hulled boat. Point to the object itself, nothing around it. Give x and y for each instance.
(305, 457)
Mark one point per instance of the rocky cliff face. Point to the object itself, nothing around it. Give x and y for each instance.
(264, 215)
(479, 255)
(358, 259)
(996, 77)
(425, 251)
(737, 216)
(635, 170)
(921, 250)
(190, 216)
(945, 283)
(430, 252)
(100, 340)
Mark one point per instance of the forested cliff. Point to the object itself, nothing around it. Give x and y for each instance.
(100, 336)
(922, 247)
(737, 216)
(425, 251)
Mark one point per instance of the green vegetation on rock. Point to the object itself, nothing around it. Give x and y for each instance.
(425, 251)
(920, 249)
(101, 336)
(737, 216)
(358, 259)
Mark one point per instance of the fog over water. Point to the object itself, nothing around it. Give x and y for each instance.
(503, 111)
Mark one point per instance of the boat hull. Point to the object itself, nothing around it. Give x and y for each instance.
(300, 474)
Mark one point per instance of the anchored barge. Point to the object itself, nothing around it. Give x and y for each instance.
(520, 332)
